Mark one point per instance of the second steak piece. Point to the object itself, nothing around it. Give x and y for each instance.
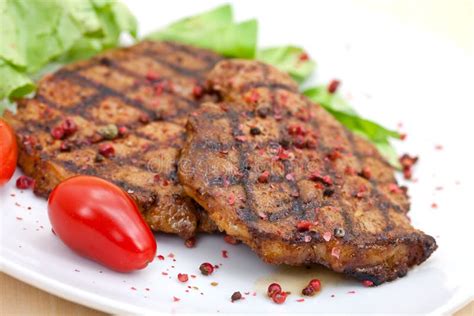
(279, 173)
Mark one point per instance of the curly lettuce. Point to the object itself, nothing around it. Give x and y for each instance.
(36, 32)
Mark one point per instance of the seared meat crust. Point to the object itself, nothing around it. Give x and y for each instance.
(279, 173)
(146, 91)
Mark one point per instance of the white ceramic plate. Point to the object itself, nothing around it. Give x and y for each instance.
(394, 71)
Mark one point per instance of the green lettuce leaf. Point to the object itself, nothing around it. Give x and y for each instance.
(290, 59)
(195, 25)
(13, 82)
(215, 30)
(35, 32)
(344, 113)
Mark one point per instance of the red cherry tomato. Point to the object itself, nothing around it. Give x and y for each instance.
(100, 221)
(8, 152)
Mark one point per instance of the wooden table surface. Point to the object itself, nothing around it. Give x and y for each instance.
(18, 298)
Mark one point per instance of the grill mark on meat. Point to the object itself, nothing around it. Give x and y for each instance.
(248, 212)
(180, 70)
(82, 76)
(296, 205)
(382, 203)
(297, 209)
(146, 82)
(126, 186)
(265, 84)
(370, 248)
(336, 196)
(103, 91)
(201, 55)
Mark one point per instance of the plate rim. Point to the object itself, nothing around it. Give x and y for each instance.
(68, 292)
(77, 295)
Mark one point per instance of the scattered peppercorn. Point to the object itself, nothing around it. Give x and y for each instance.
(240, 138)
(106, 150)
(365, 173)
(327, 236)
(57, 132)
(255, 131)
(151, 75)
(231, 240)
(296, 130)
(252, 97)
(197, 91)
(65, 146)
(190, 242)
(283, 154)
(407, 173)
(144, 118)
(231, 199)
(273, 289)
(394, 188)
(280, 297)
(312, 287)
(99, 158)
(315, 176)
(206, 268)
(24, 182)
(334, 154)
(333, 85)
(122, 130)
(328, 192)
(362, 192)
(236, 296)
(407, 160)
(263, 178)
(407, 163)
(303, 56)
(303, 226)
(339, 232)
(109, 131)
(368, 283)
(336, 252)
(308, 291)
(183, 277)
(349, 171)
(69, 127)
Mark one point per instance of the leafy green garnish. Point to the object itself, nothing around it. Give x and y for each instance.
(218, 31)
(35, 32)
(344, 113)
(291, 59)
(215, 30)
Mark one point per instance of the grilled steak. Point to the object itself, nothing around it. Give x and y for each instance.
(119, 116)
(279, 173)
